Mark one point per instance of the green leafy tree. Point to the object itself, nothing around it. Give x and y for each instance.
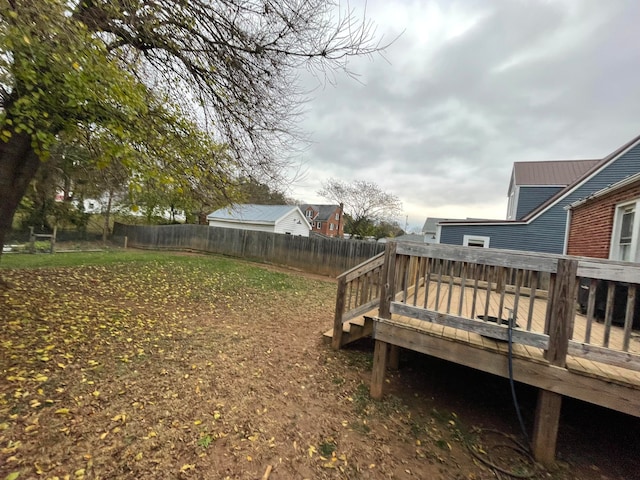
(160, 82)
(252, 191)
(365, 204)
(385, 229)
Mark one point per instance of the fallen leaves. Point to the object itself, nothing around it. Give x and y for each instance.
(172, 367)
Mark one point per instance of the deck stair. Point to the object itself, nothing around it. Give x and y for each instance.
(352, 330)
(358, 297)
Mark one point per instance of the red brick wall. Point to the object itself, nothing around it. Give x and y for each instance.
(591, 224)
(338, 225)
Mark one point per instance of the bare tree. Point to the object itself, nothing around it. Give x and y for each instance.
(229, 66)
(365, 204)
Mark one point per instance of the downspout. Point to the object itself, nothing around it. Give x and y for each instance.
(565, 247)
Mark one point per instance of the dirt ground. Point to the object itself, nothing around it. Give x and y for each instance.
(201, 367)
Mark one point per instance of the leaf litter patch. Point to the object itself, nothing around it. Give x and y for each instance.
(194, 367)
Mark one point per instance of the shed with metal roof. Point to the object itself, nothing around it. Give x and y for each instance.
(285, 219)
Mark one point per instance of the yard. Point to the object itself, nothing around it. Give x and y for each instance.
(146, 365)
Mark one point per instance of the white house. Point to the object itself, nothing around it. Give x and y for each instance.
(287, 219)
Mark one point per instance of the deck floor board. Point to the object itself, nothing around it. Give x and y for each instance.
(577, 364)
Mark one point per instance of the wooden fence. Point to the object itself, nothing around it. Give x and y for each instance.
(315, 254)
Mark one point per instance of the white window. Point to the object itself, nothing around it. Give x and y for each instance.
(309, 213)
(331, 227)
(476, 241)
(624, 241)
(337, 216)
(319, 224)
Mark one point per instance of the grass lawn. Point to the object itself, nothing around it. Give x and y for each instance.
(155, 365)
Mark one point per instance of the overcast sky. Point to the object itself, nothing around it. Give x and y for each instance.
(470, 87)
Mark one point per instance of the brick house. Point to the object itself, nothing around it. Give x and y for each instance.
(324, 219)
(605, 224)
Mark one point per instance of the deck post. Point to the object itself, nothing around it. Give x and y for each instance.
(336, 340)
(394, 357)
(545, 427)
(562, 312)
(387, 293)
(380, 352)
(560, 323)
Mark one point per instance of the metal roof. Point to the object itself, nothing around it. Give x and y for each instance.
(553, 172)
(252, 213)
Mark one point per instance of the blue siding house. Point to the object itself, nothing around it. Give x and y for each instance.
(537, 218)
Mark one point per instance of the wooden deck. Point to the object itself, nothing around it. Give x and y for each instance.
(438, 301)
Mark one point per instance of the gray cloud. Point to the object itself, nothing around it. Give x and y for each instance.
(471, 87)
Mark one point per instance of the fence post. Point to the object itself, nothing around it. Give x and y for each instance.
(561, 313)
(336, 340)
(53, 239)
(32, 241)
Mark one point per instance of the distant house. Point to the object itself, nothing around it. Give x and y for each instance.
(543, 228)
(324, 219)
(286, 219)
(606, 224)
(430, 228)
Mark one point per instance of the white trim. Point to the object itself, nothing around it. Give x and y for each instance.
(438, 232)
(537, 185)
(611, 188)
(471, 223)
(614, 247)
(512, 207)
(475, 239)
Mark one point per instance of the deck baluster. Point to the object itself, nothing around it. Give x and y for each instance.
(427, 282)
(533, 285)
(628, 318)
(608, 316)
(452, 266)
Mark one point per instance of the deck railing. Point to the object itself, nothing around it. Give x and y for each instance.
(607, 294)
(589, 306)
(358, 292)
(478, 290)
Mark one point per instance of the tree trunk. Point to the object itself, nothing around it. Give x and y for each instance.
(18, 165)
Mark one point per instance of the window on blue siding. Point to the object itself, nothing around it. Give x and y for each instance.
(476, 241)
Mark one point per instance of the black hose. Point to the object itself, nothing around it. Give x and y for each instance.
(512, 383)
(497, 469)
